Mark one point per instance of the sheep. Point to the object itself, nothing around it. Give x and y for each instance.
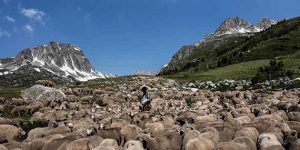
(268, 141)
(84, 143)
(58, 130)
(6, 121)
(2, 147)
(243, 142)
(155, 127)
(133, 145)
(119, 124)
(36, 133)
(56, 143)
(250, 132)
(205, 119)
(186, 117)
(206, 140)
(294, 116)
(129, 132)
(111, 133)
(45, 83)
(39, 143)
(17, 102)
(294, 125)
(189, 135)
(270, 117)
(86, 99)
(10, 132)
(77, 91)
(170, 140)
(235, 122)
(107, 144)
(14, 145)
(291, 140)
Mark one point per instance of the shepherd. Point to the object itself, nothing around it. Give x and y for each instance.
(144, 99)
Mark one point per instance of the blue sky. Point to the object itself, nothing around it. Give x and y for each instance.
(123, 36)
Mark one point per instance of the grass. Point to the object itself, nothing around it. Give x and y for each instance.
(238, 71)
(9, 93)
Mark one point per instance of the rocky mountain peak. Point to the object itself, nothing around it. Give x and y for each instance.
(64, 60)
(233, 23)
(265, 23)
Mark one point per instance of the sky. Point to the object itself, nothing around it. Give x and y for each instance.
(124, 36)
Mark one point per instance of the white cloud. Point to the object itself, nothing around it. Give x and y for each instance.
(10, 19)
(33, 14)
(28, 28)
(4, 33)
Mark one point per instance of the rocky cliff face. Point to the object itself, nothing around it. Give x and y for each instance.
(232, 27)
(64, 61)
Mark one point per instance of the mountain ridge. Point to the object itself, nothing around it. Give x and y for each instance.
(229, 30)
(64, 61)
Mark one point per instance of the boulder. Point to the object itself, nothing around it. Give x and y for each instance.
(42, 93)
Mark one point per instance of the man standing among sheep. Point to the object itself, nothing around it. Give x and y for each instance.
(144, 99)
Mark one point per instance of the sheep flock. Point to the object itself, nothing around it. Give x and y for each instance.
(105, 116)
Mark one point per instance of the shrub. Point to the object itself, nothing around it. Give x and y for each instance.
(274, 70)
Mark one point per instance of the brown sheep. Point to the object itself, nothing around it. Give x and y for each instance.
(294, 125)
(17, 102)
(268, 141)
(39, 143)
(206, 140)
(86, 99)
(129, 132)
(186, 117)
(155, 127)
(291, 141)
(250, 132)
(14, 145)
(77, 91)
(47, 83)
(294, 116)
(119, 124)
(56, 143)
(2, 147)
(235, 122)
(36, 133)
(85, 143)
(170, 140)
(200, 120)
(133, 145)
(189, 135)
(107, 144)
(6, 121)
(239, 143)
(58, 130)
(10, 132)
(68, 91)
(111, 133)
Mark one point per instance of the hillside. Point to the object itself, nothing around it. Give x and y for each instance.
(281, 41)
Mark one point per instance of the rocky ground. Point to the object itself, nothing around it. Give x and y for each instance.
(104, 115)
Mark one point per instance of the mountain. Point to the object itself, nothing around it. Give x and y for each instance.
(228, 34)
(55, 61)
